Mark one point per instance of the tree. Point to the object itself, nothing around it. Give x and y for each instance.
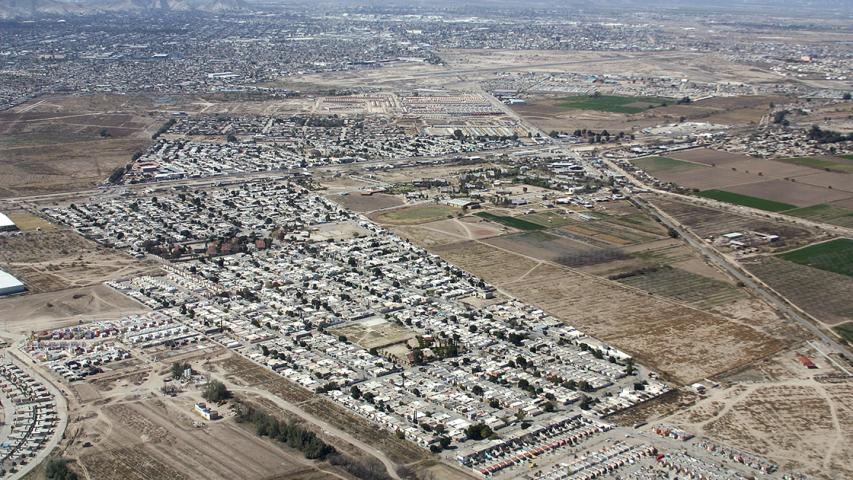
(178, 369)
(478, 431)
(355, 392)
(846, 96)
(477, 390)
(215, 391)
(57, 469)
(444, 442)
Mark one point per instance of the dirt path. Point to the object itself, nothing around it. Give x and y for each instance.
(328, 429)
(836, 425)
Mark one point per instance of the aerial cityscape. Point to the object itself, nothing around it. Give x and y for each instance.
(406, 240)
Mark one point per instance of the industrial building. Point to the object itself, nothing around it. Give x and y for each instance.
(6, 224)
(10, 285)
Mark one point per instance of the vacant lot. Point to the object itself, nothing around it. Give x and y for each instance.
(655, 165)
(823, 294)
(486, 261)
(612, 103)
(63, 143)
(746, 200)
(373, 333)
(53, 259)
(442, 232)
(684, 286)
(415, 214)
(541, 245)
(245, 373)
(366, 203)
(832, 256)
(683, 343)
(28, 222)
(157, 439)
(43, 311)
(800, 424)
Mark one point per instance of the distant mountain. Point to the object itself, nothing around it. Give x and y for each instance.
(11, 9)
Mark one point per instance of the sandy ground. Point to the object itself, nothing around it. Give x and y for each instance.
(36, 312)
(801, 419)
(53, 259)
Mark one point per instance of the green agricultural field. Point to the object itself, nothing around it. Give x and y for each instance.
(664, 165)
(612, 103)
(510, 221)
(417, 214)
(820, 163)
(547, 219)
(846, 331)
(825, 213)
(832, 256)
(747, 201)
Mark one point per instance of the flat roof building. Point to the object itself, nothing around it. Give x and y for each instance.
(6, 224)
(10, 285)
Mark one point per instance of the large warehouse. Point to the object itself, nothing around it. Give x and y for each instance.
(10, 284)
(6, 224)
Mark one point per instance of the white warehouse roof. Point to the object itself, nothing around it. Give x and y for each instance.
(8, 281)
(6, 221)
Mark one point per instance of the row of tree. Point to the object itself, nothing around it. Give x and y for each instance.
(290, 433)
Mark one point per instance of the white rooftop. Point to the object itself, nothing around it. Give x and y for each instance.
(7, 280)
(5, 221)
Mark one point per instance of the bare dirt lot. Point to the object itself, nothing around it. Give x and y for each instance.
(791, 415)
(63, 143)
(650, 328)
(66, 143)
(36, 312)
(373, 333)
(54, 259)
(707, 156)
(244, 373)
(545, 112)
(366, 203)
(159, 438)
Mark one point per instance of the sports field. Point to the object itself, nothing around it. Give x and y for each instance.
(510, 221)
(612, 103)
(747, 201)
(832, 256)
